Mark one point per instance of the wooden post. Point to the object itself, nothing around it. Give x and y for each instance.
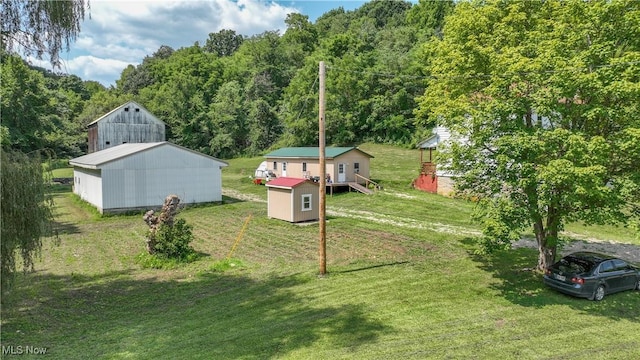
(323, 175)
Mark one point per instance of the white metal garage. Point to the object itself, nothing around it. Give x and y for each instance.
(140, 176)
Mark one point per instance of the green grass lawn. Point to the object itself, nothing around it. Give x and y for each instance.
(404, 282)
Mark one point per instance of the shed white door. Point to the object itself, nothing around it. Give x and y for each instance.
(342, 173)
(284, 169)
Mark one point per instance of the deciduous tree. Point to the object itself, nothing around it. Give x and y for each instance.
(26, 212)
(41, 27)
(545, 96)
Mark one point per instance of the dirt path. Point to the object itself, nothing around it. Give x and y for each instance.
(629, 252)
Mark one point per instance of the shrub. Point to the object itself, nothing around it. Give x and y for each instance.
(174, 241)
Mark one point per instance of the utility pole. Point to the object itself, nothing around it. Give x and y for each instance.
(323, 174)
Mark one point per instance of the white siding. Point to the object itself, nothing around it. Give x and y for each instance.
(87, 184)
(145, 179)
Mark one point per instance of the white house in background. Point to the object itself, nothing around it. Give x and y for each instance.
(433, 179)
(141, 175)
(128, 123)
(437, 179)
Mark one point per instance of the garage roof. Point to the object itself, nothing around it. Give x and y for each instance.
(96, 159)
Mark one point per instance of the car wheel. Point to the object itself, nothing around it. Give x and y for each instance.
(599, 293)
(638, 285)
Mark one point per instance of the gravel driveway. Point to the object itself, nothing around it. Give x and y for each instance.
(629, 252)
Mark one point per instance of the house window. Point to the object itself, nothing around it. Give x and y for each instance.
(356, 168)
(304, 166)
(284, 166)
(306, 202)
(126, 109)
(108, 142)
(275, 165)
(137, 110)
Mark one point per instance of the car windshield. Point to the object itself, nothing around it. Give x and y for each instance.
(575, 265)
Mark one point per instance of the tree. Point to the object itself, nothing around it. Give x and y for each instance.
(26, 212)
(300, 32)
(229, 122)
(544, 98)
(223, 43)
(428, 15)
(25, 101)
(39, 27)
(40, 112)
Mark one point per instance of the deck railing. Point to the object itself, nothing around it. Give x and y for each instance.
(376, 186)
(428, 168)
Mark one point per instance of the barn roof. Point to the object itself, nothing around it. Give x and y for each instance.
(96, 159)
(129, 103)
(312, 152)
(286, 182)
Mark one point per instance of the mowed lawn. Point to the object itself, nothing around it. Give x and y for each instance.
(405, 282)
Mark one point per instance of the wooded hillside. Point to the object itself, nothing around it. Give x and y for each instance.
(231, 95)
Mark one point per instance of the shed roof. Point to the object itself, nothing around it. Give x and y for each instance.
(122, 106)
(312, 152)
(286, 182)
(99, 158)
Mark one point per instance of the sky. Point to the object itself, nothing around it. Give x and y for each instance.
(117, 33)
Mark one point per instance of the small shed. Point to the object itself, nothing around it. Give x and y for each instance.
(293, 199)
(128, 123)
(140, 176)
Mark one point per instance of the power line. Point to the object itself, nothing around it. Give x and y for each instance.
(482, 75)
(304, 104)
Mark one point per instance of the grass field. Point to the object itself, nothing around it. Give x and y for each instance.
(404, 282)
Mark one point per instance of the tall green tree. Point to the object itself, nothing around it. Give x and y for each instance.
(228, 122)
(26, 213)
(428, 16)
(223, 43)
(25, 103)
(41, 27)
(40, 109)
(544, 98)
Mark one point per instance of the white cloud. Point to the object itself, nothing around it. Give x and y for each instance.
(87, 67)
(95, 68)
(119, 33)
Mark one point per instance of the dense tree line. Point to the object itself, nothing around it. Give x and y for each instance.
(237, 95)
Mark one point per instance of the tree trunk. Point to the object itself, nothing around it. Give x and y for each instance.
(546, 256)
(547, 239)
(546, 249)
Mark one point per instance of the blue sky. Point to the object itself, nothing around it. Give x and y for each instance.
(123, 32)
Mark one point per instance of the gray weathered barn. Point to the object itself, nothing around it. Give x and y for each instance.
(128, 123)
(140, 176)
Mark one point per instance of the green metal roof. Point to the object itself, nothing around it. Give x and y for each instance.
(312, 152)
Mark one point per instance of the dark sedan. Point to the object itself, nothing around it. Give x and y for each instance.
(592, 275)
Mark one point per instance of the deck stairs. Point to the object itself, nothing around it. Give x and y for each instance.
(358, 187)
(367, 187)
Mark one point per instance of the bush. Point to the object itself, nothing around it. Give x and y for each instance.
(174, 241)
